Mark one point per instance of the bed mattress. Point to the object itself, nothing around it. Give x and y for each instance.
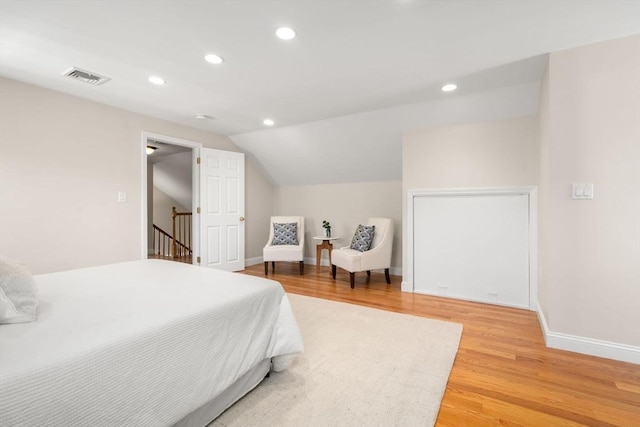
(141, 343)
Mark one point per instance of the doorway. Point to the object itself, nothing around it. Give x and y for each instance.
(170, 180)
(217, 230)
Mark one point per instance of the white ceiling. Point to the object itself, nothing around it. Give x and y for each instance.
(346, 85)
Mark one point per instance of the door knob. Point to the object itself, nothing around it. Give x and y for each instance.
(241, 218)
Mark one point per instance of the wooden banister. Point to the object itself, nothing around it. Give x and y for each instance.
(165, 245)
(162, 241)
(176, 245)
(181, 236)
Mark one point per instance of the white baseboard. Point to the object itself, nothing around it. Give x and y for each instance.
(325, 263)
(312, 261)
(406, 286)
(258, 260)
(590, 346)
(252, 261)
(577, 344)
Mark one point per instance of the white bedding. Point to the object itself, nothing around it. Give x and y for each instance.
(141, 343)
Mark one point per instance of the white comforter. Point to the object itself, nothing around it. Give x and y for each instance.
(140, 343)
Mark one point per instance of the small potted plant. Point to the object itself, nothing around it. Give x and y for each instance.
(327, 228)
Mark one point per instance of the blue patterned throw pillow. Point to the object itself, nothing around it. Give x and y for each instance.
(363, 238)
(285, 234)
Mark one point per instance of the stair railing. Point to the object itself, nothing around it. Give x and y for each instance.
(178, 243)
(181, 242)
(162, 242)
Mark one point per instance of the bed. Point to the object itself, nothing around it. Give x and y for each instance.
(143, 343)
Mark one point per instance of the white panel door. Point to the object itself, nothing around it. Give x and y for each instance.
(221, 209)
(473, 247)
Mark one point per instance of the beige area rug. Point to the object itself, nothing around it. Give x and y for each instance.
(360, 367)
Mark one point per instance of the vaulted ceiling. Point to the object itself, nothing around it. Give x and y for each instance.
(340, 93)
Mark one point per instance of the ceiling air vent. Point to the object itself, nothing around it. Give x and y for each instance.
(85, 76)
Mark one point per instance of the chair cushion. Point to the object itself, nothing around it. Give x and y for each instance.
(283, 253)
(285, 234)
(362, 238)
(18, 293)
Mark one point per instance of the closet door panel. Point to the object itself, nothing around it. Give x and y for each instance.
(473, 247)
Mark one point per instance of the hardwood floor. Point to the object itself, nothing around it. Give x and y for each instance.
(503, 374)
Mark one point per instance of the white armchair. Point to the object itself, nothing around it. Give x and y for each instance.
(284, 250)
(378, 257)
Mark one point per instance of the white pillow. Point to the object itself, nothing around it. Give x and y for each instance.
(18, 293)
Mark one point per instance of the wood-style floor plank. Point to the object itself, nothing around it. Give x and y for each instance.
(503, 375)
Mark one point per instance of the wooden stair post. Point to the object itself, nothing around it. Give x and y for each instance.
(174, 246)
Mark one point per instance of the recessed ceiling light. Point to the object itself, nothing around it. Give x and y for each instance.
(285, 33)
(268, 122)
(203, 117)
(214, 59)
(449, 87)
(156, 80)
(151, 149)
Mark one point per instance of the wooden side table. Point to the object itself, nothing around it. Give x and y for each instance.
(326, 244)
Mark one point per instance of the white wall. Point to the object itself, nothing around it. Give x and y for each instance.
(544, 237)
(162, 204)
(63, 161)
(172, 175)
(490, 154)
(259, 194)
(587, 130)
(344, 206)
(590, 249)
(497, 153)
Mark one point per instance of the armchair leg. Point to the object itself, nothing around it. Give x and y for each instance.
(266, 268)
(352, 278)
(333, 271)
(386, 276)
(273, 266)
(369, 273)
(302, 268)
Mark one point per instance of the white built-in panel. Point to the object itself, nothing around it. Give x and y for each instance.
(473, 247)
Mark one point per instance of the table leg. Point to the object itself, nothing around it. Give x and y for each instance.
(318, 253)
(326, 244)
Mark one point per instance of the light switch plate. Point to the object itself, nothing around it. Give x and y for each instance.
(122, 196)
(582, 191)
